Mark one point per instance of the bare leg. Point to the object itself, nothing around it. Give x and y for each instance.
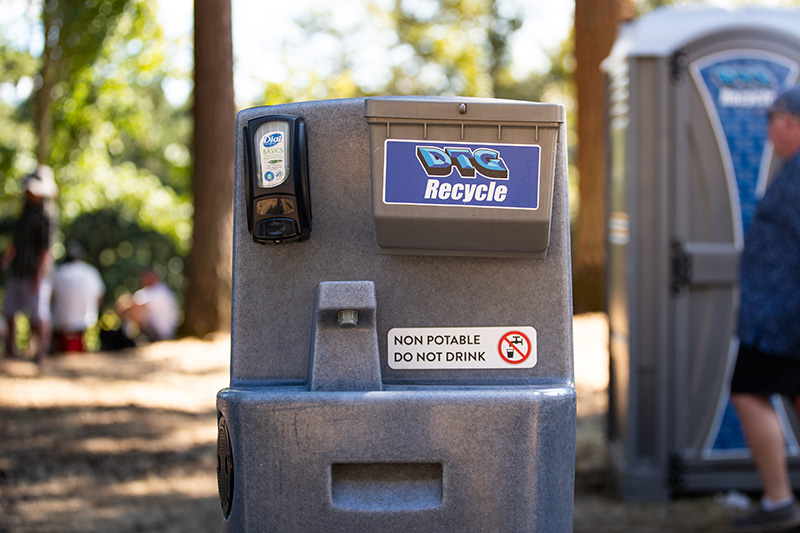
(11, 338)
(44, 331)
(765, 438)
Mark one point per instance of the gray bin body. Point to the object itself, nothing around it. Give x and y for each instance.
(688, 159)
(324, 434)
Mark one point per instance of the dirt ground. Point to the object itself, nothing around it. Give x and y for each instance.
(126, 442)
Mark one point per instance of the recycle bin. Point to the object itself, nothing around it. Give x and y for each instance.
(392, 367)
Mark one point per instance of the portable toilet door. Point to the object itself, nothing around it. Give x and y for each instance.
(689, 160)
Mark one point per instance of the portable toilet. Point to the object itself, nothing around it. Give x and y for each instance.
(688, 159)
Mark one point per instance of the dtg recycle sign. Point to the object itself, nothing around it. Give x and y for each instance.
(462, 174)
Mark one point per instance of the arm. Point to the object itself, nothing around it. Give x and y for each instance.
(44, 262)
(8, 256)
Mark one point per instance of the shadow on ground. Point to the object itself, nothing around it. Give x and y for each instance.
(126, 442)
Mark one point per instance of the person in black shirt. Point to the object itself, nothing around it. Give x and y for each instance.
(29, 260)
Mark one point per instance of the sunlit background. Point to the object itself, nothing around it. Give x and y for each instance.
(121, 104)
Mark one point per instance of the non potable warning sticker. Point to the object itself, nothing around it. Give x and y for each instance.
(462, 348)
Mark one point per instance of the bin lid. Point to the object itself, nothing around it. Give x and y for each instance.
(665, 29)
(429, 108)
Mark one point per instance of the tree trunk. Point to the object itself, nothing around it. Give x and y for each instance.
(42, 113)
(208, 298)
(596, 25)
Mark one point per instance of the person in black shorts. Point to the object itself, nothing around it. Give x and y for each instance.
(28, 287)
(768, 361)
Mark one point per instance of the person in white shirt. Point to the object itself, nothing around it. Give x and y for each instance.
(78, 290)
(153, 308)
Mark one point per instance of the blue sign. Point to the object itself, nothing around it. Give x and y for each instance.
(738, 87)
(461, 174)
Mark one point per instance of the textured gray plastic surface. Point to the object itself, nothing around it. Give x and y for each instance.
(325, 436)
(506, 459)
(344, 357)
(273, 285)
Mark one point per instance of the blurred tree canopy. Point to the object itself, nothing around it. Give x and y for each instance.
(415, 47)
(96, 112)
(89, 101)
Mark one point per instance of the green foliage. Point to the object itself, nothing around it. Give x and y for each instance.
(119, 150)
(457, 46)
(429, 47)
(112, 103)
(15, 64)
(17, 138)
(77, 31)
(134, 194)
(120, 248)
(419, 47)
